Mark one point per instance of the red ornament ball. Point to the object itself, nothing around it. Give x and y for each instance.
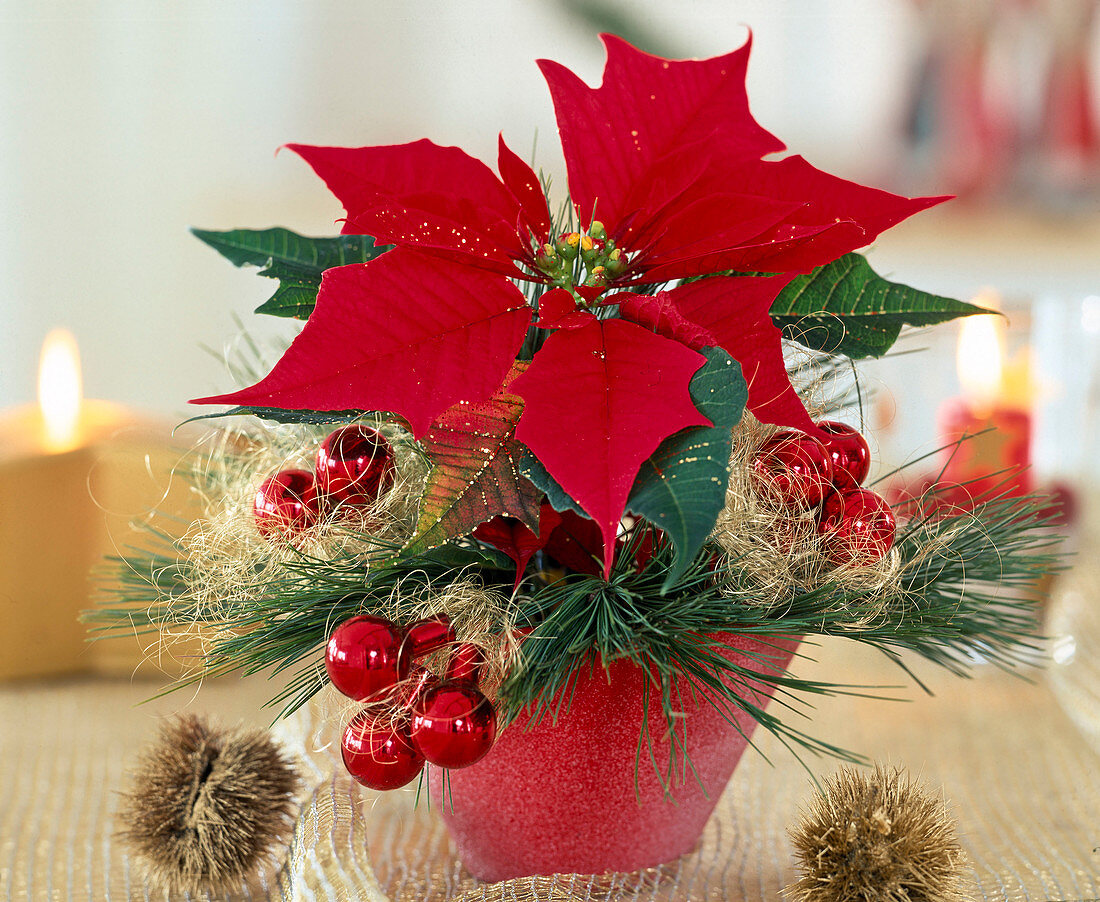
(466, 664)
(378, 751)
(285, 504)
(796, 466)
(428, 635)
(832, 512)
(860, 528)
(454, 724)
(850, 454)
(363, 657)
(354, 465)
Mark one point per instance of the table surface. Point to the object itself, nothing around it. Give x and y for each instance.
(1022, 781)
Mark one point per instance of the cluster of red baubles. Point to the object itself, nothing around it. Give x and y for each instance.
(824, 476)
(410, 715)
(354, 465)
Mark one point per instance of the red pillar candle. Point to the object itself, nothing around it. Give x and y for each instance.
(987, 431)
(995, 452)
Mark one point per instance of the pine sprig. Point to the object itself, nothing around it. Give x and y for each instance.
(590, 624)
(965, 584)
(971, 577)
(287, 618)
(965, 594)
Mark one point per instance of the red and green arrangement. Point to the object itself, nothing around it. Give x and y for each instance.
(520, 438)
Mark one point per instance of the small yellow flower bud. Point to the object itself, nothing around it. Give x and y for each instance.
(566, 245)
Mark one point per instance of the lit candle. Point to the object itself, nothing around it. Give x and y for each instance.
(73, 473)
(62, 421)
(992, 421)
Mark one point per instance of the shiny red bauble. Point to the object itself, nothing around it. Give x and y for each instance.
(428, 635)
(796, 466)
(832, 512)
(454, 724)
(860, 527)
(378, 752)
(363, 657)
(466, 663)
(354, 465)
(285, 504)
(850, 454)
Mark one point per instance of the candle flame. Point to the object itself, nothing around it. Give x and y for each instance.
(60, 389)
(980, 358)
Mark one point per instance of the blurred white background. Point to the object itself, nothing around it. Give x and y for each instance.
(127, 121)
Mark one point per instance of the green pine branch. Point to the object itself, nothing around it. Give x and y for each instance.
(967, 594)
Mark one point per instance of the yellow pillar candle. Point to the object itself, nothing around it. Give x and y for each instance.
(73, 472)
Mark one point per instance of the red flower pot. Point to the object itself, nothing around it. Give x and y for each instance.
(575, 797)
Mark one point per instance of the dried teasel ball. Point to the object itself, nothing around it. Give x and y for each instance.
(207, 806)
(876, 838)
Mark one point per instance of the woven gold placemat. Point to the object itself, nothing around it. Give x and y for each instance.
(1022, 782)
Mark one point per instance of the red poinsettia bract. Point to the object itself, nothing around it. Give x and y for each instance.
(667, 176)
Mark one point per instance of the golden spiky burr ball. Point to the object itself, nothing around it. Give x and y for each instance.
(207, 806)
(877, 837)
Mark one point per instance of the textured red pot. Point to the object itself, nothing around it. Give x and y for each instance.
(561, 798)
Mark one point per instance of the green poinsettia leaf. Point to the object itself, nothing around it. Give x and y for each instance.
(531, 468)
(681, 489)
(295, 260)
(294, 298)
(454, 556)
(845, 307)
(475, 474)
(279, 415)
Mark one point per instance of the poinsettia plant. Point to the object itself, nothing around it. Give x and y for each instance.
(685, 238)
(574, 430)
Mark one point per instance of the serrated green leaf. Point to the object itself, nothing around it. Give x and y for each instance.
(294, 298)
(681, 489)
(531, 468)
(845, 307)
(475, 475)
(459, 557)
(295, 260)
